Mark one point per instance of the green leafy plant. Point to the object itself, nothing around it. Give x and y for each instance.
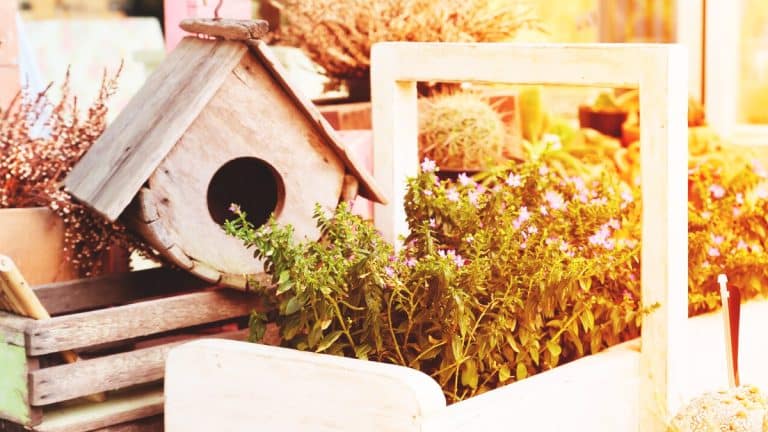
(461, 131)
(494, 283)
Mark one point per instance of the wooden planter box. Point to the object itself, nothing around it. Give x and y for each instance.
(122, 327)
(34, 239)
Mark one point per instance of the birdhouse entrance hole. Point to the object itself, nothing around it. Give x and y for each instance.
(252, 184)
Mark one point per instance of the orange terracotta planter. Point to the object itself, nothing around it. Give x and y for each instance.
(34, 239)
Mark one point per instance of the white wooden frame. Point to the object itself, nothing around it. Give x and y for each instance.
(722, 42)
(660, 72)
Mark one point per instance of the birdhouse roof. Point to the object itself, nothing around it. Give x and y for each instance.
(111, 173)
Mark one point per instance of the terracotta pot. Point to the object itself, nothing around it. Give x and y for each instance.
(606, 122)
(34, 239)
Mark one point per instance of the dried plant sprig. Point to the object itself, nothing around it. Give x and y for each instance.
(40, 142)
(338, 35)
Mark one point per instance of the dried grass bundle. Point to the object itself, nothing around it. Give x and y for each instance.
(40, 142)
(338, 35)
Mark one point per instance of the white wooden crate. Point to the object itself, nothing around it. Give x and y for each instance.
(661, 74)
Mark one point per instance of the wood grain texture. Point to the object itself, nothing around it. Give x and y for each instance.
(368, 187)
(224, 28)
(350, 116)
(120, 323)
(331, 393)
(250, 116)
(91, 293)
(121, 407)
(112, 372)
(131, 148)
(661, 74)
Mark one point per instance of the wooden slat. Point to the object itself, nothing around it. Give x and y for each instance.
(112, 172)
(65, 382)
(120, 408)
(12, 328)
(138, 319)
(149, 424)
(65, 297)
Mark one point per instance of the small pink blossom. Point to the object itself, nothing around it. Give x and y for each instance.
(555, 200)
(532, 230)
(761, 192)
(717, 239)
(717, 191)
(469, 239)
(599, 201)
(234, 208)
(410, 262)
(614, 223)
(741, 245)
(459, 261)
(543, 170)
(564, 246)
(428, 192)
(626, 197)
(472, 196)
(428, 165)
(452, 195)
(464, 179)
(514, 180)
(523, 245)
(432, 223)
(389, 271)
(713, 252)
(736, 212)
(706, 215)
(543, 210)
(739, 198)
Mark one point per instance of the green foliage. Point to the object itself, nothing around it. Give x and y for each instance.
(494, 283)
(727, 230)
(461, 131)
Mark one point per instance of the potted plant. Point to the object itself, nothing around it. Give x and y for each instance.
(51, 237)
(461, 132)
(741, 409)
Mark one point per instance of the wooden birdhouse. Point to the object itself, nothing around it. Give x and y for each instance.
(217, 123)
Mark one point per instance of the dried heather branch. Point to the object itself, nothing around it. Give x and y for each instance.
(40, 142)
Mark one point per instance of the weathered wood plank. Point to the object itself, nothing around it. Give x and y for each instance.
(121, 407)
(14, 391)
(112, 372)
(138, 319)
(368, 187)
(65, 297)
(149, 424)
(12, 328)
(112, 172)
(229, 29)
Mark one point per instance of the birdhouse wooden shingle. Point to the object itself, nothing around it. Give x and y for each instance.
(217, 123)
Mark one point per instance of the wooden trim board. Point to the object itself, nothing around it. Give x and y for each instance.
(660, 72)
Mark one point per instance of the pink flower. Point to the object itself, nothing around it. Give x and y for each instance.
(555, 200)
(717, 191)
(452, 195)
(522, 245)
(761, 192)
(717, 239)
(543, 170)
(428, 165)
(739, 198)
(736, 212)
(514, 180)
(626, 197)
(459, 261)
(706, 214)
(741, 245)
(532, 230)
(428, 192)
(234, 208)
(524, 214)
(613, 223)
(543, 210)
(469, 239)
(410, 262)
(432, 223)
(472, 196)
(465, 180)
(599, 201)
(389, 271)
(713, 252)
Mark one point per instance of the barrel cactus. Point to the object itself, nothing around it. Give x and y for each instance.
(742, 409)
(461, 131)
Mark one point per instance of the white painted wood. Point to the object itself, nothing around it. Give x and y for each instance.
(229, 386)
(689, 24)
(598, 393)
(722, 60)
(660, 71)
